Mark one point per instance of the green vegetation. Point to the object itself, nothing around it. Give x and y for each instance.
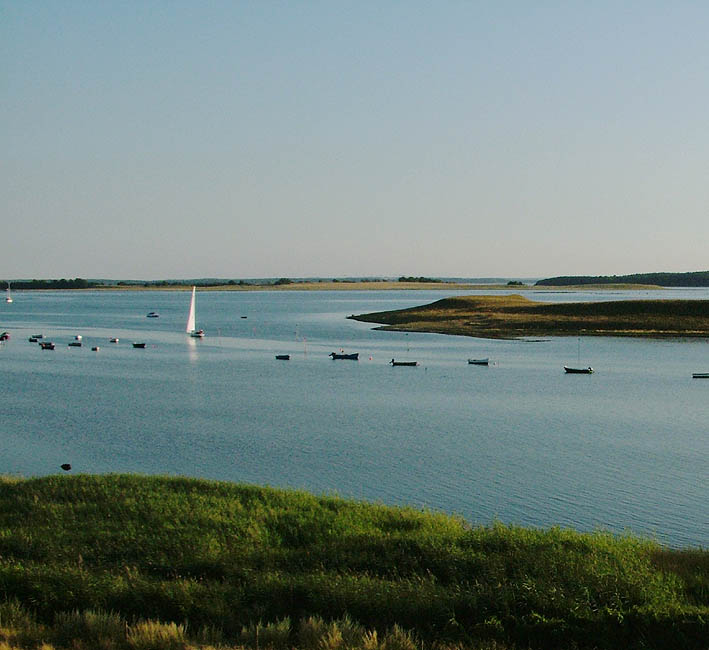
(693, 279)
(515, 316)
(421, 278)
(148, 562)
(76, 283)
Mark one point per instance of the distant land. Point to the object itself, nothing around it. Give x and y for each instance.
(637, 280)
(402, 282)
(510, 317)
(691, 279)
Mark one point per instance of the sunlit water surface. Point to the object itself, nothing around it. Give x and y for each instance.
(624, 449)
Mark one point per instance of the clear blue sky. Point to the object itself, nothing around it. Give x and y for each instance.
(264, 139)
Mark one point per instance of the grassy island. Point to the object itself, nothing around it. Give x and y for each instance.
(517, 317)
(121, 561)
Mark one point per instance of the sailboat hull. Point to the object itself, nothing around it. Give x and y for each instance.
(578, 371)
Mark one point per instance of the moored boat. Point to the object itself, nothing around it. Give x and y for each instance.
(152, 314)
(283, 357)
(340, 355)
(479, 362)
(191, 327)
(114, 340)
(138, 345)
(393, 362)
(578, 371)
(700, 375)
(46, 345)
(75, 344)
(5, 336)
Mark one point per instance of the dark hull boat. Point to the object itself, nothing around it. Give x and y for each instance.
(404, 363)
(700, 375)
(138, 345)
(283, 357)
(479, 362)
(47, 345)
(578, 371)
(352, 357)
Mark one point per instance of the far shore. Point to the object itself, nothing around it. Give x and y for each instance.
(385, 285)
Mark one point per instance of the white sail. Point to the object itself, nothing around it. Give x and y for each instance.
(191, 318)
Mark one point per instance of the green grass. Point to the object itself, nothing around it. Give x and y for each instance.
(128, 561)
(514, 316)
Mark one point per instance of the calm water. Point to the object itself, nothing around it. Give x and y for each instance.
(626, 448)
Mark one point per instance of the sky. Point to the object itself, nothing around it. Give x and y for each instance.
(250, 139)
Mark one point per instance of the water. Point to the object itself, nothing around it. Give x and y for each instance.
(624, 449)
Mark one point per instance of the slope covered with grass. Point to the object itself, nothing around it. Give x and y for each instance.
(514, 316)
(228, 558)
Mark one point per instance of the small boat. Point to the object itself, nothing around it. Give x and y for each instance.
(340, 355)
(191, 327)
(578, 371)
(5, 336)
(404, 363)
(33, 339)
(138, 345)
(700, 375)
(95, 348)
(479, 362)
(38, 336)
(152, 314)
(114, 340)
(75, 344)
(46, 345)
(283, 357)
(8, 296)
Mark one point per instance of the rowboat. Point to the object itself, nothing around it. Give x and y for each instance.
(337, 355)
(479, 362)
(404, 363)
(578, 371)
(283, 357)
(700, 375)
(138, 345)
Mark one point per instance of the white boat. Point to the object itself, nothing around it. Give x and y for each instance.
(191, 326)
(8, 295)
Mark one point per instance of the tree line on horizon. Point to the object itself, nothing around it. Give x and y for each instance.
(691, 279)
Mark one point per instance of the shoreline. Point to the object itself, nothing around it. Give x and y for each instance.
(516, 317)
(366, 286)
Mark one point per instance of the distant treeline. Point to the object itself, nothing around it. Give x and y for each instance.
(76, 283)
(409, 278)
(693, 279)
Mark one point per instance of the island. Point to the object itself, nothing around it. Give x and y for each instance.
(514, 316)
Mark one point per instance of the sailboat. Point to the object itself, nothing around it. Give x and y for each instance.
(194, 333)
(8, 296)
(579, 370)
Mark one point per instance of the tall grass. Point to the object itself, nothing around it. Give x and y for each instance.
(516, 316)
(150, 560)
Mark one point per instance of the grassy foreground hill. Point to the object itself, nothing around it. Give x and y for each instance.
(147, 562)
(514, 316)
